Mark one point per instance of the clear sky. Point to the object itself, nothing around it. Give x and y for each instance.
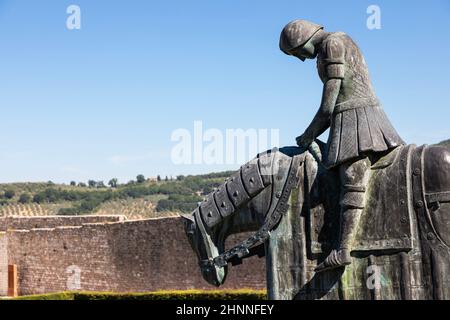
(103, 101)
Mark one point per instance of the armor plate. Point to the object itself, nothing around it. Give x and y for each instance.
(265, 167)
(236, 190)
(210, 214)
(252, 179)
(223, 201)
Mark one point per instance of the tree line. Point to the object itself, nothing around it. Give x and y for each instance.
(183, 193)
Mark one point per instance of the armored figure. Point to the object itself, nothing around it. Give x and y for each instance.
(359, 129)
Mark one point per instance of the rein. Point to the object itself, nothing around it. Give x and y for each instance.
(271, 221)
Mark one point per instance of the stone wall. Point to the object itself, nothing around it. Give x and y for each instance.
(27, 223)
(3, 265)
(145, 255)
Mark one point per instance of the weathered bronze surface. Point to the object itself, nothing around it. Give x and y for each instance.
(363, 216)
(404, 231)
(360, 131)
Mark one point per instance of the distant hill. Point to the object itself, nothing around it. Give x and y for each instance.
(135, 199)
(445, 143)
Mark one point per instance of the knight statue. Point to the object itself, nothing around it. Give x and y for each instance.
(360, 131)
(361, 202)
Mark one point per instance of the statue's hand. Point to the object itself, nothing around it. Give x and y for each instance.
(312, 146)
(314, 149)
(304, 141)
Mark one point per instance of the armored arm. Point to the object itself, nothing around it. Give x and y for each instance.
(322, 119)
(334, 63)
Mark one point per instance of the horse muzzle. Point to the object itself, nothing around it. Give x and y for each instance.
(202, 245)
(213, 274)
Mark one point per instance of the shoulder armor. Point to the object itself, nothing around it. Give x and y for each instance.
(334, 58)
(335, 50)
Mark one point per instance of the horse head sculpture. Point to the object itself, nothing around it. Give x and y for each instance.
(207, 245)
(242, 204)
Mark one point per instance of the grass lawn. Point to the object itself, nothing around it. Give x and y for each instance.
(244, 294)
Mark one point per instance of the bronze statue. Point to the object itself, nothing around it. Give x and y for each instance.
(360, 130)
(364, 200)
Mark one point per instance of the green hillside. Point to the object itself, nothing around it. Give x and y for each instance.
(445, 143)
(141, 198)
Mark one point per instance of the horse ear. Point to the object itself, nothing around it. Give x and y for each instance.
(189, 217)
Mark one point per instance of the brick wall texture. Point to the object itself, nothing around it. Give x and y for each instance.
(124, 256)
(3, 265)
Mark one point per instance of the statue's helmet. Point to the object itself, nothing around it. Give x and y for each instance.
(296, 34)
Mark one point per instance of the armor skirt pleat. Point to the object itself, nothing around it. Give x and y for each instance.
(357, 132)
(349, 136)
(364, 138)
(391, 136)
(334, 141)
(378, 143)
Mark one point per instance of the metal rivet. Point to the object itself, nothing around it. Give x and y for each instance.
(236, 193)
(278, 195)
(223, 205)
(419, 204)
(404, 220)
(252, 180)
(430, 236)
(210, 214)
(416, 171)
(402, 202)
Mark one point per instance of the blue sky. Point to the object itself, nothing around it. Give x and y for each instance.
(103, 101)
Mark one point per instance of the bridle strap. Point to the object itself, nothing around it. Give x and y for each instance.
(272, 220)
